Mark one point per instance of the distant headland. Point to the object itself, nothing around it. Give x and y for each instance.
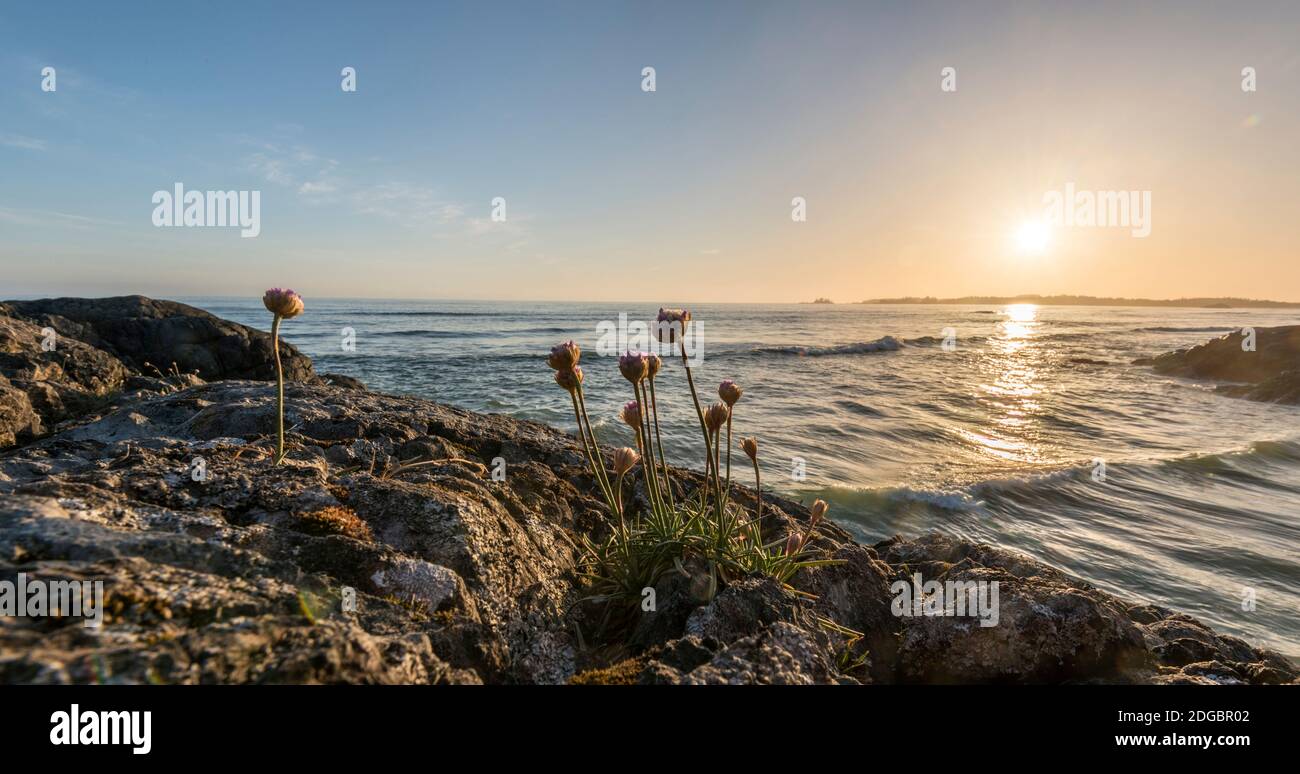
(1064, 300)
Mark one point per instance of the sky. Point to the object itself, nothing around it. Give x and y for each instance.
(613, 192)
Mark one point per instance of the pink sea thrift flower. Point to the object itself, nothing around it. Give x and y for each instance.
(631, 414)
(625, 459)
(564, 356)
(282, 302)
(730, 392)
(570, 378)
(634, 366)
(672, 323)
(716, 417)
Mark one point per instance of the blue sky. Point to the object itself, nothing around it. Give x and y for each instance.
(615, 193)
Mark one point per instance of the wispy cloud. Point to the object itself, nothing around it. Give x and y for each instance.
(21, 142)
(407, 203)
(322, 180)
(317, 187)
(28, 217)
(296, 167)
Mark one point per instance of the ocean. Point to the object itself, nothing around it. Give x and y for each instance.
(1023, 426)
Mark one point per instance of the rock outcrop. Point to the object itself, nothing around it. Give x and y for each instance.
(221, 567)
(158, 337)
(44, 380)
(1265, 369)
(63, 357)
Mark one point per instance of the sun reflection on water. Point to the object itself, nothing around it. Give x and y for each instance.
(1016, 366)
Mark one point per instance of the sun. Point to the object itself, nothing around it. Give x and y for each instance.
(1033, 236)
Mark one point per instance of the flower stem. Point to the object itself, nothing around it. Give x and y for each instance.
(726, 490)
(699, 412)
(593, 457)
(618, 499)
(654, 409)
(279, 391)
(721, 503)
(595, 445)
(650, 472)
(641, 449)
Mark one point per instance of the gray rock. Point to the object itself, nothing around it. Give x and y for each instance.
(1268, 372)
(58, 378)
(157, 337)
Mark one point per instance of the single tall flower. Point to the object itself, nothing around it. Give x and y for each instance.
(283, 304)
(564, 356)
(730, 392)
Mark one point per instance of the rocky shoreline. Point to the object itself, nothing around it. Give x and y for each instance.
(1260, 364)
(134, 451)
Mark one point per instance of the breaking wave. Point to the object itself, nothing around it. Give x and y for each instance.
(882, 344)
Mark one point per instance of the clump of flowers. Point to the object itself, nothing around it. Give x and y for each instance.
(658, 532)
(284, 304)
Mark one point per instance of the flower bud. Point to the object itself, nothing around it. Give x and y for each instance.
(631, 414)
(793, 543)
(671, 324)
(653, 362)
(633, 366)
(818, 511)
(750, 445)
(625, 459)
(729, 391)
(569, 378)
(282, 302)
(716, 417)
(564, 356)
